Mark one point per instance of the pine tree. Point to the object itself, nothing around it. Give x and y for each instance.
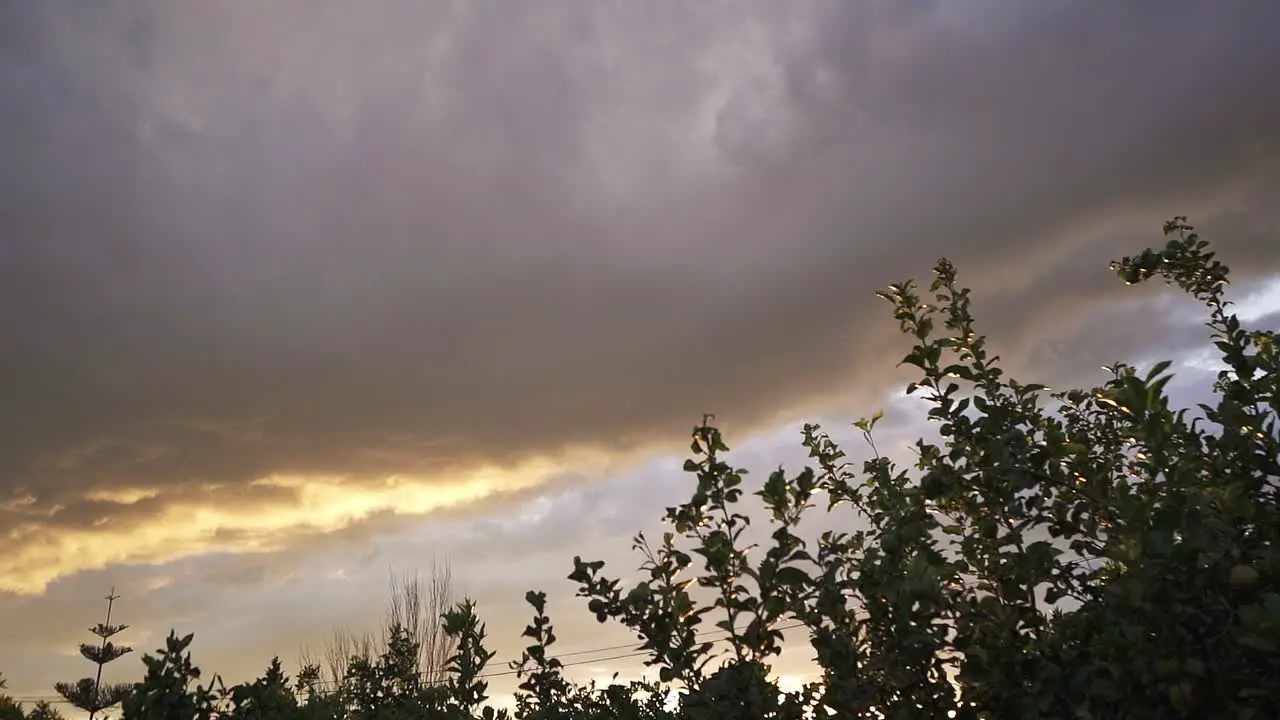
(89, 694)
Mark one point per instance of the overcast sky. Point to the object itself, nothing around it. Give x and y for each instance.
(292, 293)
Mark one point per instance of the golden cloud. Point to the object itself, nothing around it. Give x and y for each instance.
(232, 520)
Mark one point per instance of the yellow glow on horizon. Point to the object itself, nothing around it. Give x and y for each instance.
(792, 683)
(36, 555)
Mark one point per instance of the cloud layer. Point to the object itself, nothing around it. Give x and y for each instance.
(260, 258)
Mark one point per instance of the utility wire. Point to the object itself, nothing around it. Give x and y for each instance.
(637, 653)
(59, 700)
(576, 653)
(503, 673)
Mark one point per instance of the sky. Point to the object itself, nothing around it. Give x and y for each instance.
(293, 294)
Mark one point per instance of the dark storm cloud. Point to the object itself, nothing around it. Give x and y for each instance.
(355, 240)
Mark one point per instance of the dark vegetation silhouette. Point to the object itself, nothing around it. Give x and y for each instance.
(1087, 553)
(44, 710)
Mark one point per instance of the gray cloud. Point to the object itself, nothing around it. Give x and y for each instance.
(328, 240)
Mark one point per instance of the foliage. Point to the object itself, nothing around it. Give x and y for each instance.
(169, 691)
(44, 710)
(1074, 554)
(269, 696)
(10, 709)
(544, 693)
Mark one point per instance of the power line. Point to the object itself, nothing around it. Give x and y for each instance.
(606, 648)
(636, 654)
(57, 699)
(504, 673)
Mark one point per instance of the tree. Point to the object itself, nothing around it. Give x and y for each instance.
(1087, 553)
(44, 710)
(89, 694)
(384, 688)
(10, 709)
(413, 613)
(267, 697)
(169, 690)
